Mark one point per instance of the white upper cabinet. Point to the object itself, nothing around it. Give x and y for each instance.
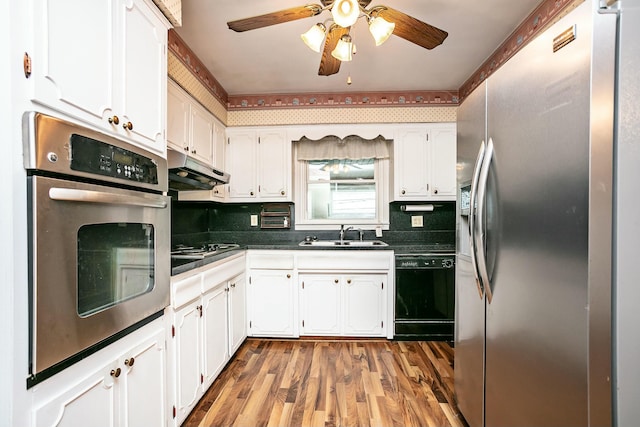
(274, 165)
(178, 116)
(241, 164)
(192, 128)
(259, 162)
(103, 62)
(411, 167)
(443, 162)
(424, 162)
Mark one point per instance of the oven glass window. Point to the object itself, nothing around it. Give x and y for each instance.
(115, 264)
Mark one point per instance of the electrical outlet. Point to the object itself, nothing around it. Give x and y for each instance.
(416, 221)
(378, 231)
(254, 220)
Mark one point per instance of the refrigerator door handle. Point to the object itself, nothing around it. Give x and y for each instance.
(480, 236)
(472, 215)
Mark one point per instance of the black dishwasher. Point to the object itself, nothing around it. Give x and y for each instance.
(425, 297)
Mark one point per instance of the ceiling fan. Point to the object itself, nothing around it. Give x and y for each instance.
(383, 21)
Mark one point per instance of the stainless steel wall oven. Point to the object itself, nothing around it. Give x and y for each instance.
(425, 296)
(99, 241)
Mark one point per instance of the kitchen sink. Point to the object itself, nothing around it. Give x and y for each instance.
(344, 243)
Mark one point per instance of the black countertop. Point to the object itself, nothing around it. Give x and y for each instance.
(179, 266)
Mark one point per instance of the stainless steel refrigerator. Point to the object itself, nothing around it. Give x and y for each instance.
(533, 284)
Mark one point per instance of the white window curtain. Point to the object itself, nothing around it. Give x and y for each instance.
(352, 147)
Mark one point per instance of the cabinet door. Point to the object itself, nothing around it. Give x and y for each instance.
(177, 117)
(411, 164)
(364, 304)
(237, 313)
(141, 76)
(241, 165)
(143, 383)
(443, 162)
(271, 304)
(274, 165)
(91, 400)
(201, 134)
(214, 334)
(219, 142)
(187, 358)
(320, 310)
(73, 57)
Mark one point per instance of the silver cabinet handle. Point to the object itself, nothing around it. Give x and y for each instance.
(88, 196)
(480, 237)
(472, 216)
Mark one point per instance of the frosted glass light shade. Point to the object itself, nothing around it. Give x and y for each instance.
(345, 12)
(344, 49)
(381, 29)
(314, 37)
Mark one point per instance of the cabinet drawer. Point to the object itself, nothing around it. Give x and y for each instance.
(222, 273)
(185, 290)
(344, 260)
(273, 261)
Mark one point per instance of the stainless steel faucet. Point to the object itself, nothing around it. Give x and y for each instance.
(344, 230)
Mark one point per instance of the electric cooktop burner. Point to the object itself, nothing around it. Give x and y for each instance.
(203, 251)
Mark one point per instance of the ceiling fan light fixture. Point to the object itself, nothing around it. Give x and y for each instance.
(344, 49)
(381, 29)
(314, 37)
(345, 12)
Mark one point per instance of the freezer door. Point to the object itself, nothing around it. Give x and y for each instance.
(537, 232)
(470, 302)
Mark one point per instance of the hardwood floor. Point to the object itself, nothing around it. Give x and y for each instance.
(333, 383)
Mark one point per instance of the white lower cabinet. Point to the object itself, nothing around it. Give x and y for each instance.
(205, 330)
(186, 332)
(122, 385)
(343, 304)
(364, 301)
(237, 303)
(320, 293)
(271, 294)
(320, 311)
(272, 303)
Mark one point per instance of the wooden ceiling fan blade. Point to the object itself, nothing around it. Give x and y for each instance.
(274, 18)
(328, 64)
(412, 29)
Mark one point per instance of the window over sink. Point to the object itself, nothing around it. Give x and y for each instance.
(341, 181)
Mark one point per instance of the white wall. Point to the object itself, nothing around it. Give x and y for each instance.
(14, 398)
(6, 270)
(627, 264)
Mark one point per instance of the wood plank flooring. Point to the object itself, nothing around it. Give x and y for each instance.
(333, 383)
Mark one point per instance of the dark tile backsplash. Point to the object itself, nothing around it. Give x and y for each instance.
(193, 222)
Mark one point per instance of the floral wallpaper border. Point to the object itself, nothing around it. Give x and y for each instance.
(544, 15)
(349, 99)
(185, 55)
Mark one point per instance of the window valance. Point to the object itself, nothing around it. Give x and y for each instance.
(351, 147)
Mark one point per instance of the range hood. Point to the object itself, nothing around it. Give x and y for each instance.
(187, 173)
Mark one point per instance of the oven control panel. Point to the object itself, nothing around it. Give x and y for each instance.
(93, 156)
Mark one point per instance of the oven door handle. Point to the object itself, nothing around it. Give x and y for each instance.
(88, 196)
